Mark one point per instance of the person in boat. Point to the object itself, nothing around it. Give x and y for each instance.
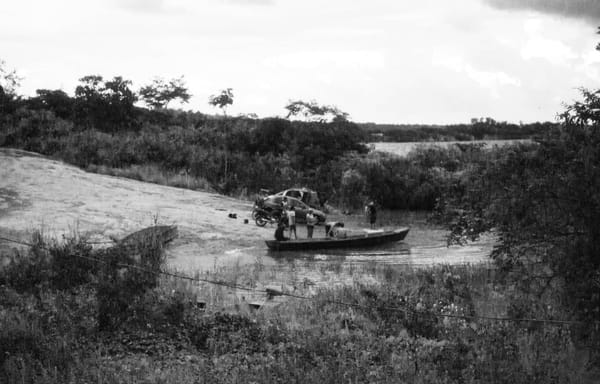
(311, 220)
(279, 232)
(371, 213)
(291, 215)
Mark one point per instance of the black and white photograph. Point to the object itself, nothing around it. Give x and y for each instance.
(276, 191)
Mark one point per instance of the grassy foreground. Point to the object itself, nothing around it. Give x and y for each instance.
(67, 318)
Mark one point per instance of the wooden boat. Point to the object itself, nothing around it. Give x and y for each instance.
(151, 236)
(368, 239)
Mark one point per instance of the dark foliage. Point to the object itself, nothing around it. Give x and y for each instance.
(56, 101)
(54, 266)
(105, 105)
(479, 129)
(544, 204)
(160, 93)
(233, 155)
(52, 335)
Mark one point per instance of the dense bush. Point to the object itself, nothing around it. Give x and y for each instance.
(232, 155)
(544, 204)
(239, 156)
(415, 182)
(388, 332)
(486, 129)
(49, 265)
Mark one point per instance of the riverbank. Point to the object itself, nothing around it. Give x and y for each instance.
(371, 322)
(37, 193)
(402, 149)
(40, 193)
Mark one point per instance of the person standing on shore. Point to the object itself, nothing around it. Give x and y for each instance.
(371, 213)
(311, 220)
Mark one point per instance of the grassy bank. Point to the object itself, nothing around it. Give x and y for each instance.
(66, 318)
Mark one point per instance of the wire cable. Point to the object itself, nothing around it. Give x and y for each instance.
(272, 292)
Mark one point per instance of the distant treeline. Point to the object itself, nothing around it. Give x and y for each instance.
(479, 129)
(232, 156)
(101, 129)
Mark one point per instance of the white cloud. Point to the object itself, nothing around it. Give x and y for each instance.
(342, 52)
(140, 5)
(590, 65)
(344, 32)
(251, 2)
(548, 41)
(554, 51)
(492, 80)
(353, 60)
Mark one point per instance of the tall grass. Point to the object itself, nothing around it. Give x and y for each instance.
(390, 328)
(153, 173)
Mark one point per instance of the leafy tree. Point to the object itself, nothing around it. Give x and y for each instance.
(9, 83)
(9, 80)
(160, 93)
(314, 111)
(56, 101)
(105, 105)
(120, 100)
(544, 203)
(90, 105)
(222, 100)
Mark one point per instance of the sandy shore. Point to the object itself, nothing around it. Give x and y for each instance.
(40, 193)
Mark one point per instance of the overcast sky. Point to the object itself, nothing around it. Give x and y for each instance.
(428, 61)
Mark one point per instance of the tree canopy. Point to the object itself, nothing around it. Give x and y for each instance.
(315, 111)
(9, 83)
(107, 105)
(543, 202)
(222, 100)
(160, 92)
(9, 80)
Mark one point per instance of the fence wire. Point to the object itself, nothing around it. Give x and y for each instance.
(271, 292)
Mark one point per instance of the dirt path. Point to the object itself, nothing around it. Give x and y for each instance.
(39, 193)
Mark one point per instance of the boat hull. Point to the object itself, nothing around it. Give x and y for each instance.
(367, 240)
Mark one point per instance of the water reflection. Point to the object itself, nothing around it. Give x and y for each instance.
(425, 245)
(402, 253)
(306, 272)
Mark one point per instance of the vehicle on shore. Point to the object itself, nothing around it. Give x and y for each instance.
(270, 209)
(262, 216)
(305, 195)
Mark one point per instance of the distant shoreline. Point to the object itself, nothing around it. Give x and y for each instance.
(403, 148)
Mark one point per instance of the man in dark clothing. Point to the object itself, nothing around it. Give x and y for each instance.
(279, 232)
(371, 213)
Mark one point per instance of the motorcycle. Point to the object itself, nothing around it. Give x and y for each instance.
(262, 217)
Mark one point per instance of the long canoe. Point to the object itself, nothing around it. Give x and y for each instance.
(369, 239)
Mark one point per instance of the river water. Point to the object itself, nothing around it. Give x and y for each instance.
(402, 149)
(424, 246)
(256, 266)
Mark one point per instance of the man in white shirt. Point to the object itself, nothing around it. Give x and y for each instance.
(291, 214)
(311, 220)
